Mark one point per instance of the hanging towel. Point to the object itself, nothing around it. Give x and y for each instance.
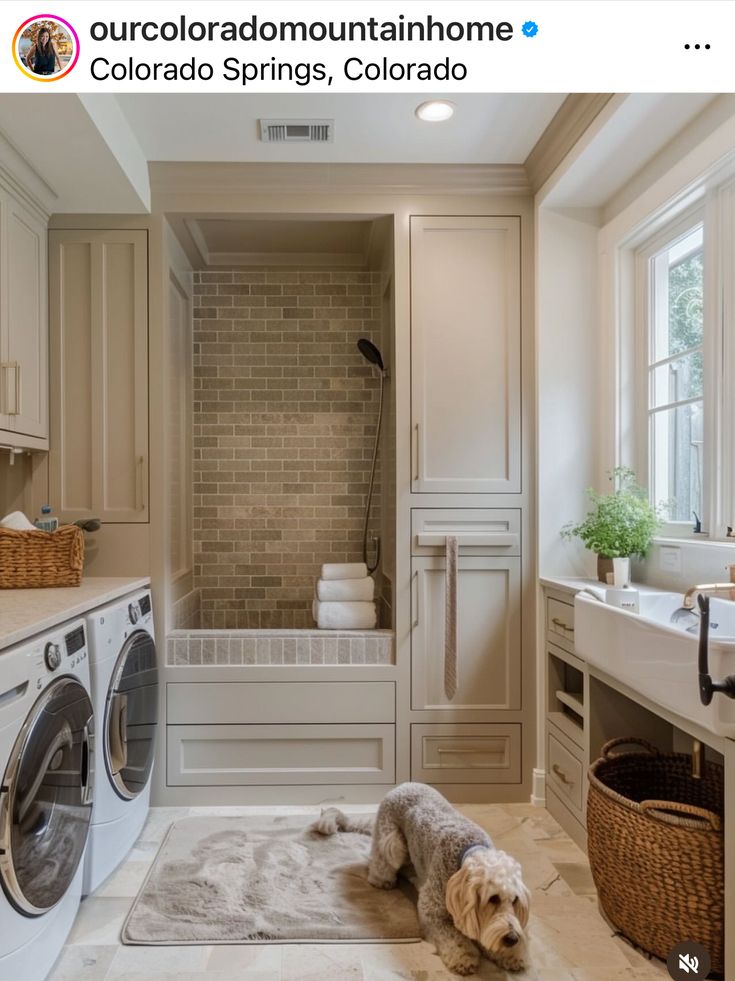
(345, 590)
(344, 570)
(450, 618)
(344, 616)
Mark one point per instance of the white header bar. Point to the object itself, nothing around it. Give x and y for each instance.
(375, 46)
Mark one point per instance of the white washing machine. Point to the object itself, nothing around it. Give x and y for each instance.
(46, 758)
(124, 673)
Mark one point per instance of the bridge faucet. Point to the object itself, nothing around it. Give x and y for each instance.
(712, 587)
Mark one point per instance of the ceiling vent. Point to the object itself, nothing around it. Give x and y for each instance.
(297, 130)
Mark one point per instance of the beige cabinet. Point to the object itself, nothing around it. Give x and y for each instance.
(98, 289)
(489, 634)
(23, 326)
(466, 355)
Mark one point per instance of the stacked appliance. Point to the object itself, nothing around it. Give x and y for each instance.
(46, 758)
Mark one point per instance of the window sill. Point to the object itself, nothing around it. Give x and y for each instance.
(700, 541)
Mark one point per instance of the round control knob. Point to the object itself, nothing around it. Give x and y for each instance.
(134, 612)
(52, 656)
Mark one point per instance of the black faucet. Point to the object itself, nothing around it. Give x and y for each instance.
(708, 687)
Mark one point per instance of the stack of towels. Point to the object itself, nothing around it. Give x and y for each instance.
(344, 598)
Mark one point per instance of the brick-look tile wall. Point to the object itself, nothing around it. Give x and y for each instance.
(284, 419)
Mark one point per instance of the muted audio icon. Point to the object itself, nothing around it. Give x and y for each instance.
(688, 963)
(689, 960)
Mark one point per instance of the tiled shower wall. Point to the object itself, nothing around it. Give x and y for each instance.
(284, 420)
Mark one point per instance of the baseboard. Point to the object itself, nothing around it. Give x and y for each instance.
(538, 794)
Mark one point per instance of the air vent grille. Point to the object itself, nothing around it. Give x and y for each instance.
(297, 130)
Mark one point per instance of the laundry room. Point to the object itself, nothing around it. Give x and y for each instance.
(366, 568)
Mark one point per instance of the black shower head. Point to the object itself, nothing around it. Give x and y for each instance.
(370, 352)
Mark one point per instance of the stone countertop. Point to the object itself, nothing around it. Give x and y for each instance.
(25, 612)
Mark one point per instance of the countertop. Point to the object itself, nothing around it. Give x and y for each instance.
(25, 612)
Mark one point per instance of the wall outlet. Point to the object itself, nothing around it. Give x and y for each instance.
(670, 558)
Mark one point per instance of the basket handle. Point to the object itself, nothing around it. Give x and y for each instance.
(698, 816)
(628, 741)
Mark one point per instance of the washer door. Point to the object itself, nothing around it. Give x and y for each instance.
(131, 715)
(46, 799)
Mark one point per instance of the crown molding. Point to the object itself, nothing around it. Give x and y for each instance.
(575, 115)
(298, 178)
(22, 180)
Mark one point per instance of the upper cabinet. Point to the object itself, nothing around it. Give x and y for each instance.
(466, 355)
(98, 295)
(23, 326)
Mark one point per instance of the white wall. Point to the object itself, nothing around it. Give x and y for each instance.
(567, 388)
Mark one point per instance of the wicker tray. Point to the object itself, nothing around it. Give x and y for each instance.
(31, 559)
(656, 848)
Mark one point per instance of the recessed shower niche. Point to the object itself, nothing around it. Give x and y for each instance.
(283, 413)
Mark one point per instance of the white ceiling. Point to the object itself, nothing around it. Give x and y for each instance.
(485, 129)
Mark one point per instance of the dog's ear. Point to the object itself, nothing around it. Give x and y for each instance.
(523, 906)
(462, 897)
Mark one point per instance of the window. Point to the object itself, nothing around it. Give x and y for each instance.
(675, 379)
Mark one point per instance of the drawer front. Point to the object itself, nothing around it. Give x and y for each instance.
(560, 621)
(465, 753)
(251, 703)
(234, 755)
(565, 773)
(479, 531)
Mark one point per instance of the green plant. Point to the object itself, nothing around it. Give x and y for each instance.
(621, 523)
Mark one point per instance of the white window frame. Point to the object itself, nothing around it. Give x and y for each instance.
(665, 236)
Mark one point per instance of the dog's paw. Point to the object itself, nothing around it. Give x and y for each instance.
(511, 962)
(461, 962)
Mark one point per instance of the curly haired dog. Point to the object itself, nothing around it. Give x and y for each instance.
(470, 894)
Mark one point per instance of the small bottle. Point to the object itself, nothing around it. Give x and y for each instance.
(46, 522)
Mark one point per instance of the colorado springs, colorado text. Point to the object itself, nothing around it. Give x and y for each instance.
(300, 73)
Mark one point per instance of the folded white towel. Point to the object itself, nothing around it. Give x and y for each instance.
(345, 590)
(344, 616)
(17, 521)
(344, 570)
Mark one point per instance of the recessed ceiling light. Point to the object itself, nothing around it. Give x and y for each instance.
(435, 111)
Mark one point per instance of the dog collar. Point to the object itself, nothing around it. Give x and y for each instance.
(468, 851)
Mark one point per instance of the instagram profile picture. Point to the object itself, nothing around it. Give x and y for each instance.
(45, 47)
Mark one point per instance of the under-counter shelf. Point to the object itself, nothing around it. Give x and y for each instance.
(571, 701)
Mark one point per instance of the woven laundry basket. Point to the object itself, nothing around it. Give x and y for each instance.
(30, 559)
(656, 848)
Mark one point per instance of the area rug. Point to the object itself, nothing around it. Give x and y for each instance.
(245, 880)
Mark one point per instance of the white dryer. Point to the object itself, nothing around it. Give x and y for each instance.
(124, 672)
(46, 758)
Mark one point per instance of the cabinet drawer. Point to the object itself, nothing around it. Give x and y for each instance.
(280, 701)
(560, 621)
(464, 753)
(479, 531)
(565, 773)
(252, 755)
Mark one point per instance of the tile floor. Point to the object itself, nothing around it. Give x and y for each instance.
(569, 939)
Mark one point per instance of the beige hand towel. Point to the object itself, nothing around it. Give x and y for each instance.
(344, 570)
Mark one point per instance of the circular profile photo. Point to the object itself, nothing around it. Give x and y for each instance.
(45, 47)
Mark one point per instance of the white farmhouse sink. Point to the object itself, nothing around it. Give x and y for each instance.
(658, 658)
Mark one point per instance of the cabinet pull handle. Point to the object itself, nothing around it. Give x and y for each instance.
(139, 485)
(418, 443)
(16, 393)
(561, 774)
(4, 407)
(416, 618)
(560, 623)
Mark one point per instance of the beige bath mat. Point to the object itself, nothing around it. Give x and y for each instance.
(242, 880)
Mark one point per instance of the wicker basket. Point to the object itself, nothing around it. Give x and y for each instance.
(30, 559)
(656, 848)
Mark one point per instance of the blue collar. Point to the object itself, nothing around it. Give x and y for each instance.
(468, 851)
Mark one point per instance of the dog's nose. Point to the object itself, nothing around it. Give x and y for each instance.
(511, 939)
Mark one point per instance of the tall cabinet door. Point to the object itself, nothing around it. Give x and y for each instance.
(466, 354)
(489, 634)
(24, 322)
(99, 374)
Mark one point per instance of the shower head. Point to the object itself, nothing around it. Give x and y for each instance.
(370, 352)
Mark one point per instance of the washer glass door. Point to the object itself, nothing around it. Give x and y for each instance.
(46, 799)
(131, 715)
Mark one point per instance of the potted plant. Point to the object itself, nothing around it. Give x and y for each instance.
(620, 524)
